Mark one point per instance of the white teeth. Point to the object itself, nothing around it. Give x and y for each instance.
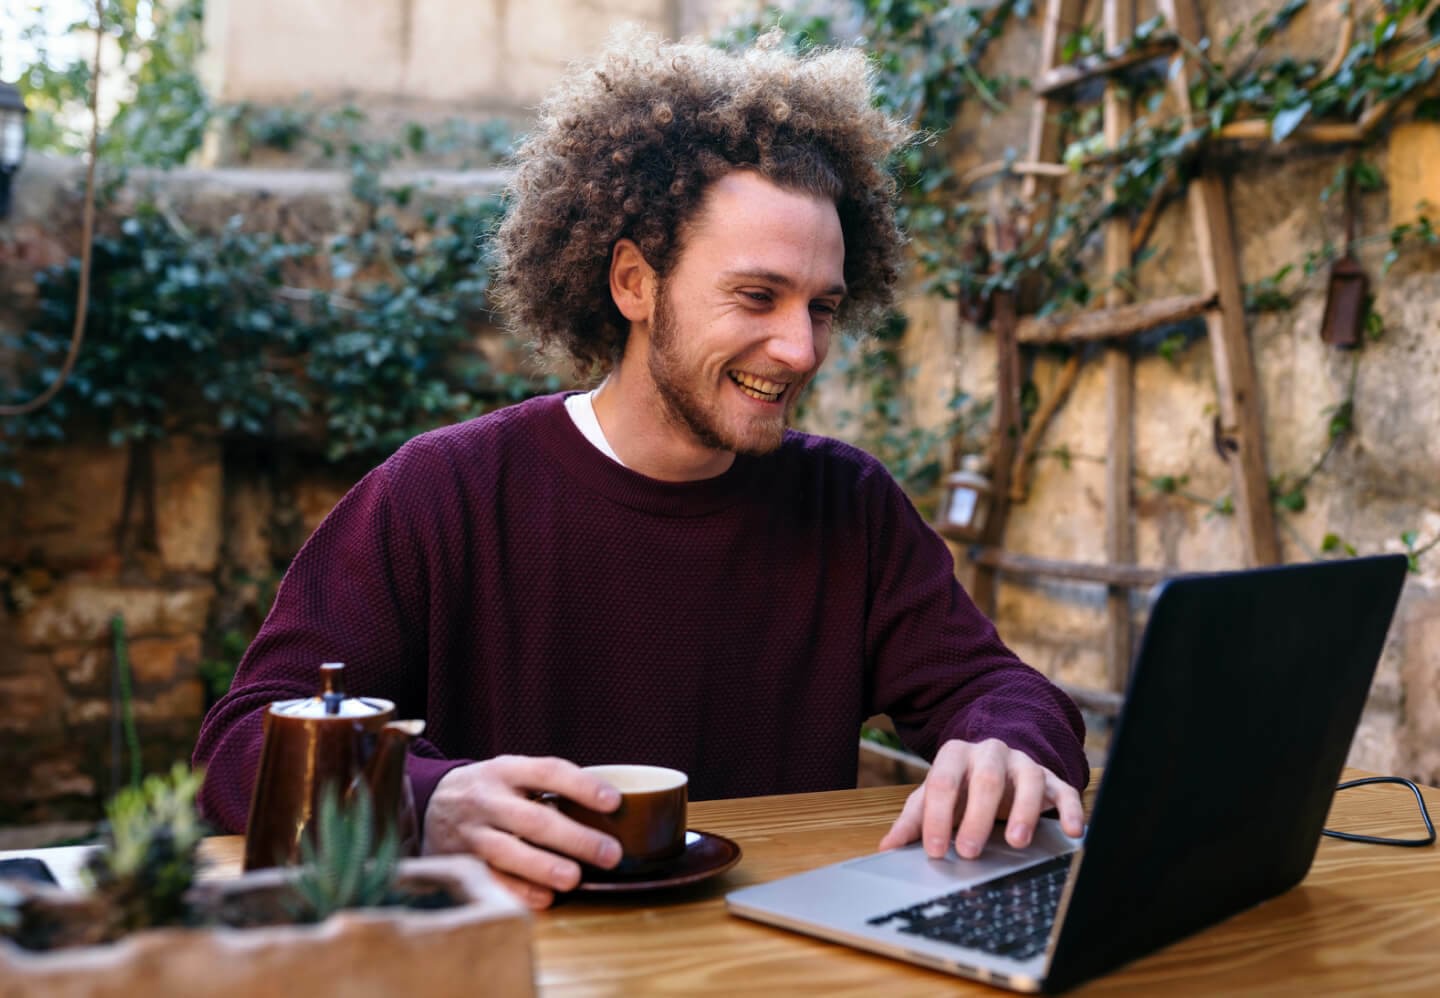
(758, 388)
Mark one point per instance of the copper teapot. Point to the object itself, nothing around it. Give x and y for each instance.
(328, 740)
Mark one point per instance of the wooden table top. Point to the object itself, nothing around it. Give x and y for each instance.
(1366, 919)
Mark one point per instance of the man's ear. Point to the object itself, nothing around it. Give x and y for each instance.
(632, 282)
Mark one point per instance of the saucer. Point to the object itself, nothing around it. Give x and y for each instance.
(706, 855)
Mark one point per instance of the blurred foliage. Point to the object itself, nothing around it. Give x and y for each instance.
(150, 854)
(203, 331)
(195, 330)
(163, 110)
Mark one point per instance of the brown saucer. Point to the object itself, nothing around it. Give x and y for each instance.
(706, 855)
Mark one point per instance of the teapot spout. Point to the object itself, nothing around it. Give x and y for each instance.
(389, 784)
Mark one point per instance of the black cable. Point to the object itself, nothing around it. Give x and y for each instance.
(1378, 840)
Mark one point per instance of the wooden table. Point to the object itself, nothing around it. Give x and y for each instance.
(1365, 921)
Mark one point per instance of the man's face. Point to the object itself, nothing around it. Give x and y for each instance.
(743, 321)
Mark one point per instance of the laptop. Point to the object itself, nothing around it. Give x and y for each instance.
(1246, 692)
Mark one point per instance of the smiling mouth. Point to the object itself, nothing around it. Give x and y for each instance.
(758, 388)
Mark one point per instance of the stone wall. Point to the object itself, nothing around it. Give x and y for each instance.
(1382, 481)
(419, 60)
(65, 584)
(193, 553)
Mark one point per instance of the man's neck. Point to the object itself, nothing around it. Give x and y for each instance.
(634, 420)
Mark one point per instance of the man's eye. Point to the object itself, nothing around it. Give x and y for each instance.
(824, 307)
(761, 297)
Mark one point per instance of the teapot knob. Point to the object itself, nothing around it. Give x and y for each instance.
(333, 690)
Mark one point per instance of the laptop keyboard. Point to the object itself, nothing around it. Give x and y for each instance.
(1010, 916)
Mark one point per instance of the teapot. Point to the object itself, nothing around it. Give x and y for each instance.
(328, 740)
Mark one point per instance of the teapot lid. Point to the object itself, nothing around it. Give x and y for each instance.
(331, 701)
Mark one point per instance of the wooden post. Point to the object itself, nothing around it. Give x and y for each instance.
(1119, 378)
(1060, 15)
(1236, 384)
(1004, 442)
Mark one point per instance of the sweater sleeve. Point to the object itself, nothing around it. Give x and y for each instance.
(355, 593)
(937, 666)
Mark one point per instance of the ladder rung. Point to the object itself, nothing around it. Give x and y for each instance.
(1132, 576)
(1321, 132)
(1057, 81)
(1112, 323)
(1103, 702)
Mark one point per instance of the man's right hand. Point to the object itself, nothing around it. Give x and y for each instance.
(488, 809)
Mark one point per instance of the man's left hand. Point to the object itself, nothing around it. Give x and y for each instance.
(973, 784)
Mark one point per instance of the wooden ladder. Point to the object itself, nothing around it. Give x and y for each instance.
(1222, 304)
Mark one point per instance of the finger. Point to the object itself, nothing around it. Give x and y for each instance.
(1028, 788)
(507, 854)
(548, 773)
(530, 895)
(942, 790)
(986, 783)
(1067, 801)
(906, 828)
(544, 826)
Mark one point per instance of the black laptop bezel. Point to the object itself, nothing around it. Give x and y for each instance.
(1246, 694)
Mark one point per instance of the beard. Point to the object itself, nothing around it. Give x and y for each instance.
(682, 394)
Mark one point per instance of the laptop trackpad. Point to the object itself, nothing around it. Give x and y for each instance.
(910, 865)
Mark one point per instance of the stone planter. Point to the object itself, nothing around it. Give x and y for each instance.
(480, 946)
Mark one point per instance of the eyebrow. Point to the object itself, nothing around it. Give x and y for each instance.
(776, 278)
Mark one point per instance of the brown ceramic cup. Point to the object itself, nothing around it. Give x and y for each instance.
(650, 821)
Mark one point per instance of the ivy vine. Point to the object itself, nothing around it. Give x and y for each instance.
(209, 331)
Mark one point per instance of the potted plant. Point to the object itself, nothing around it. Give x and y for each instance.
(351, 918)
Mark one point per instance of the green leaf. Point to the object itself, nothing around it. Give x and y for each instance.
(1374, 323)
(1293, 501)
(1368, 177)
(1342, 419)
(1287, 120)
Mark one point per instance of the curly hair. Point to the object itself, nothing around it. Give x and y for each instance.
(627, 149)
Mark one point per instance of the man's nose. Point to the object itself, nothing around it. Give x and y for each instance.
(793, 340)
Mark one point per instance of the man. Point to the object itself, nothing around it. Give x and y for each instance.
(658, 571)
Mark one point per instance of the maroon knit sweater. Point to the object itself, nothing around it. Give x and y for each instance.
(523, 593)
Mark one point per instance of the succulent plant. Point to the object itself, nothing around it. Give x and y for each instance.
(343, 865)
(149, 860)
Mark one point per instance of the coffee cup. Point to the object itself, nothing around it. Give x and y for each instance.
(650, 821)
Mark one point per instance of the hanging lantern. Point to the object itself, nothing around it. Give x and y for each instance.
(1346, 298)
(966, 503)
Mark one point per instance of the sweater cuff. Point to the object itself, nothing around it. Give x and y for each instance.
(425, 773)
